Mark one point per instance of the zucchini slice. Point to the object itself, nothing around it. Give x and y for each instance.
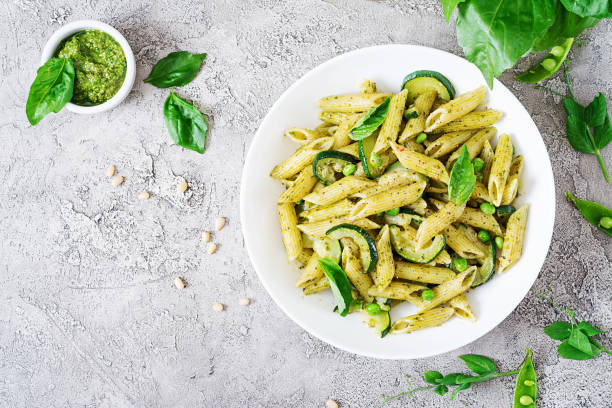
(486, 271)
(367, 248)
(307, 241)
(365, 152)
(405, 247)
(329, 162)
(381, 322)
(328, 248)
(504, 212)
(418, 81)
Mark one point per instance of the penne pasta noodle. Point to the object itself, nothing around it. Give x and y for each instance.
(352, 103)
(338, 209)
(341, 137)
(339, 190)
(301, 158)
(396, 290)
(478, 219)
(388, 199)
(448, 290)
(422, 273)
(352, 267)
(462, 244)
(462, 308)
(335, 118)
(437, 223)
(390, 127)
(303, 136)
(319, 229)
(480, 193)
(512, 183)
(316, 286)
(455, 109)
(304, 256)
(500, 169)
(421, 163)
(422, 106)
(312, 272)
(471, 121)
(486, 154)
(447, 143)
(514, 238)
(292, 239)
(388, 181)
(428, 318)
(302, 185)
(473, 145)
(352, 149)
(367, 87)
(385, 267)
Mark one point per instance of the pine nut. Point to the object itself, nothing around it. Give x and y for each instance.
(206, 236)
(219, 223)
(110, 172)
(117, 180)
(182, 187)
(244, 301)
(330, 403)
(212, 248)
(179, 282)
(217, 307)
(144, 195)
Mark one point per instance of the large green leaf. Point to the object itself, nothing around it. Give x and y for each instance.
(449, 6)
(185, 123)
(462, 178)
(51, 90)
(494, 34)
(566, 25)
(589, 8)
(176, 69)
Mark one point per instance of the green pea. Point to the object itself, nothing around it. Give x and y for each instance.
(393, 211)
(487, 208)
(528, 383)
(499, 242)
(421, 138)
(349, 169)
(548, 64)
(484, 236)
(605, 222)
(478, 164)
(373, 308)
(526, 400)
(557, 51)
(376, 160)
(428, 295)
(460, 264)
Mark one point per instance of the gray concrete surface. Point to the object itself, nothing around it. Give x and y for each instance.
(89, 316)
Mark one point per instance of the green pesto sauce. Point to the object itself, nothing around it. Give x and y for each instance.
(99, 64)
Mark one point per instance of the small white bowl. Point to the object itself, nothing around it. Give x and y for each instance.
(130, 73)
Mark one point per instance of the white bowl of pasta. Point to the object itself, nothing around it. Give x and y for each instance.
(384, 219)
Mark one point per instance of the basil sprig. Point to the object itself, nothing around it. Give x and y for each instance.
(176, 69)
(185, 123)
(593, 212)
(339, 284)
(371, 121)
(51, 90)
(462, 179)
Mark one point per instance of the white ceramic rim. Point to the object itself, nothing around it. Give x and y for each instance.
(546, 226)
(130, 73)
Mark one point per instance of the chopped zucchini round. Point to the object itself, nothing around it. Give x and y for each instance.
(406, 248)
(329, 162)
(381, 322)
(367, 248)
(487, 269)
(418, 81)
(328, 248)
(365, 155)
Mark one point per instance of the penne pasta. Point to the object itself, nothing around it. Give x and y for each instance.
(437, 223)
(473, 145)
(303, 136)
(500, 169)
(301, 158)
(422, 106)
(428, 318)
(304, 256)
(339, 190)
(302, 185)
(352, 103)
(486, 154)
(388, 181)
(447, 143)
(390, 127)
(462, 308)
(422, 273)
(448, 290)
(462, 244)
(455, 109)
(367, 87)
(334, 118)
(396, 290)
(338, 209)
(316, 286)
(478, 219)
(341, 137)
(471, 121)
(292, 239)
(352, 267)
(385, 267)
(421, 163)
(514, 238)
(318, 229)
(352, 149)
(388, 199)
(512, 183)
(312, 272)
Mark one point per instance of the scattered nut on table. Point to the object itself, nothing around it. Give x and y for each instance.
(110, 172)
(206, 236)
(212, 248)
(182, 187)
(179, 282)
(144, 195)
(217, 307)
(244, 301)
(219, 223)
(330, 403)
(117, 180)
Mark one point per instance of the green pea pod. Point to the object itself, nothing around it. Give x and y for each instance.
(526, 390)
(549, 65)
(592, 211)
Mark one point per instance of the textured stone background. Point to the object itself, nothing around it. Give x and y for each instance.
(88, 313)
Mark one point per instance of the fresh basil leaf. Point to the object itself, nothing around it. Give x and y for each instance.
(462, 178)
(558, 330)
(441, 390)
(448, 6)
(185, 123)
(339, 284)
(458, 390)
(589, 8)
(566, 351)
(597, 111)
(494, 35)
(589, 329)
(580, 341)
(451, 379)
(175, 69)
(371, 121)
(602, 135)
(577, 136)
(479, 364)
(51, 90)
(591, 211)
(566, 25)
(574, 108)
(432, 377)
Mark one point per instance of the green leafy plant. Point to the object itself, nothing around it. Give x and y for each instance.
(370, 121)
(485, 370)
(462, 178)
(494, 35)
(185, 123)
(51, 90)
(595, 213)
(588, 128)
(176, 69)
(339, 284)
(578, 342)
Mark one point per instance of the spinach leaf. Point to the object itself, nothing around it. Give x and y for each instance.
(448, 6)
(462, 178)
(566, 25)
(432, 377)
(558, 330)
(597, 111)
(589, 8)
(339, 284)
(574, 108)
(589, 329)
(567, 351)
(602, 135)
(371, 121)
(176, 69)
(592, 211)
(579, 341)
(479, 364)
(185, 123)
(577, 135)
(51, 90)
(494, 34)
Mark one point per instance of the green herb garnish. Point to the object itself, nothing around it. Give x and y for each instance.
(176, 69)
(462, 179)
(595, 213)
(339, 284)
(370, 121)
(51, 90)
(185, 123)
